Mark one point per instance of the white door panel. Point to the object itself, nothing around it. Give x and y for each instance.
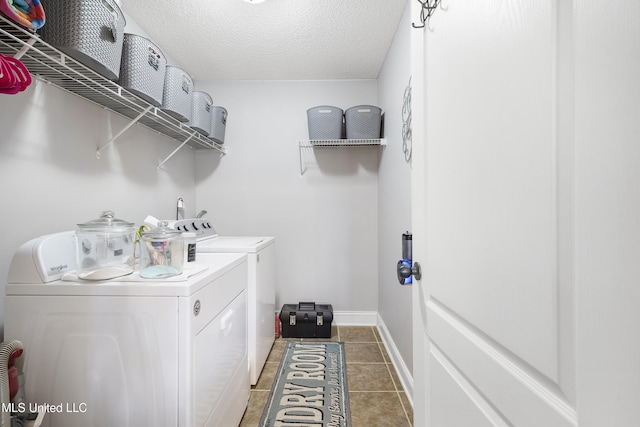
(454, 401)
(525, 189)
(518, 393)
(492, 164)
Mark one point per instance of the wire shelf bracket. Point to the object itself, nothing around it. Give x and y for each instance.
(119, 134)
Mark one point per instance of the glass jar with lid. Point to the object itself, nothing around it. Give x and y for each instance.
(105, 247)
(161, 252)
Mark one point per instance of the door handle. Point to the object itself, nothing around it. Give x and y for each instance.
(406, 269)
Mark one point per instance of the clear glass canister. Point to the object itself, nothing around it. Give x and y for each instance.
(105, 248)
(161, 252)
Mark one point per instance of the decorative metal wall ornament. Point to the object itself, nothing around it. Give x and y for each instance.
(428, 6)
(406, 123)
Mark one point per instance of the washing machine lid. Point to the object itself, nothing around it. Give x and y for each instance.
(234, 244)
(207, 269)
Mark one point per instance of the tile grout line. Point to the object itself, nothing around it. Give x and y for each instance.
(390, 369)
(398, 390)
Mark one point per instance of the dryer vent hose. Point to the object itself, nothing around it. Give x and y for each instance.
(6, 350)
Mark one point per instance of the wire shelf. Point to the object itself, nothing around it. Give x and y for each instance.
(52, 66)
(333, 143)
(306, 143)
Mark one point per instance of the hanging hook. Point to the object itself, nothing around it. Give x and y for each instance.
(428, 6)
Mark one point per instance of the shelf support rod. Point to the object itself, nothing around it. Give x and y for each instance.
(126, 128)
(300, 157)
(177, 149)
(27, 45)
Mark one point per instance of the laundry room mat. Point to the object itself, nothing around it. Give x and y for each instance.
(310, 387)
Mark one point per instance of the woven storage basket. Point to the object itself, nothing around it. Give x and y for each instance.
(363, 122)
(325, 122)
(178, 93)
(90, 31)
(142, 69)
(201, 108)
(218, 124)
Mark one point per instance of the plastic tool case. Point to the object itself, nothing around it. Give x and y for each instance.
(306, 320)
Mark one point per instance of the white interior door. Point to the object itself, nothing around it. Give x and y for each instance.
(526, 207)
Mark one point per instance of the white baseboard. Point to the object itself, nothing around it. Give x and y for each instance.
(355, 318)
(406, 379)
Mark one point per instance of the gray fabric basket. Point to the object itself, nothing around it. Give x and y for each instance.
(90, 31)
(142, 69)
(218, 124)
(363, 122)
(201, 108)
(325, 122)
(178, 93)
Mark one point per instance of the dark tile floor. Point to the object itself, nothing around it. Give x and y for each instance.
(376, 396)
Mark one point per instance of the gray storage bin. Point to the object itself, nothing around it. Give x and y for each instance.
(325, 122)
(363, 122)
(142, 69)
(178, 93)
(90, 31)
(201, 108)
(218, 124)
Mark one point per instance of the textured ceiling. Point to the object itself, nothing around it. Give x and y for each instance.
(274, 40)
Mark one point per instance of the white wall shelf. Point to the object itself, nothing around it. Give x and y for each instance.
(52, 66)
(336, 143)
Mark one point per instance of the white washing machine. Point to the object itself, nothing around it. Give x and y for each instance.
(261, 285)
(130, 351)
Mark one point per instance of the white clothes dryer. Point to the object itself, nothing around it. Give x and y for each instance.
(261, 285)
(130, 351)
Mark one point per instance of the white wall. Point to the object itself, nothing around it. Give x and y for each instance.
(325, 220)
(394, 196)
(50, 178)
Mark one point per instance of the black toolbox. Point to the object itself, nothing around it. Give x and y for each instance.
(306, 320)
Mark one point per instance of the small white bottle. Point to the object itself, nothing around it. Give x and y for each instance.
(189, 250)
